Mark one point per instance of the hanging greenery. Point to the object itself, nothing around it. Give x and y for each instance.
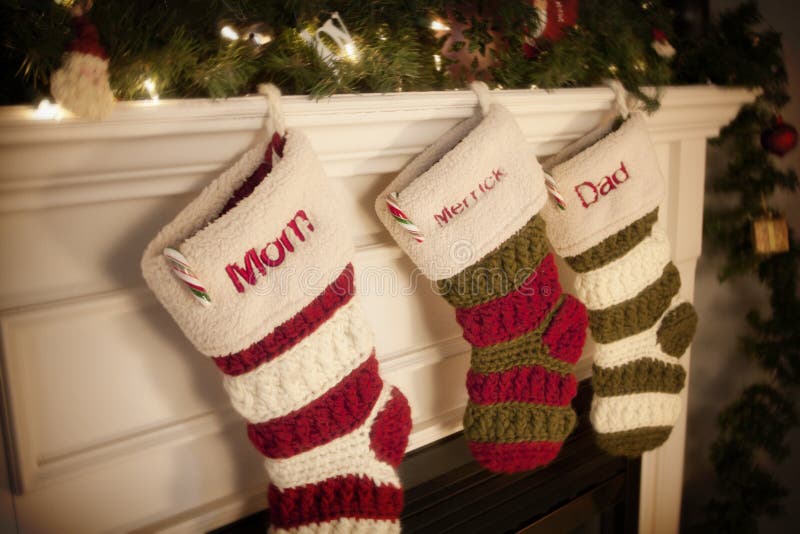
(181, 45)
(753, 430)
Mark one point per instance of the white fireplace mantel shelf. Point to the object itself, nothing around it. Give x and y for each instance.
(112, 421)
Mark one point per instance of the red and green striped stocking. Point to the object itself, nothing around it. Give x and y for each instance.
(465, 211)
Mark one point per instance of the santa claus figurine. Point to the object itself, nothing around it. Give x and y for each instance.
(81, 84)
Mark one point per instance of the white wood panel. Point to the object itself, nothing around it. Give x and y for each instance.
(98, 374)
(115, 423)
(662, 470)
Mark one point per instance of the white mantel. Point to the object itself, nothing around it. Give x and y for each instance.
(114, 423)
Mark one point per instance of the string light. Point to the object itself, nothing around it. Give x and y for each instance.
(439, 26)
(260, 38)
(437, 62)
(150, 86)
(229, 33)
(46, 110)
(258, 34)
(350, 51)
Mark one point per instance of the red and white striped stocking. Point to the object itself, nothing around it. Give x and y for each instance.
(259, 277)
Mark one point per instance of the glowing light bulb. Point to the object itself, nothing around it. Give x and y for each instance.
(229, 33)
(260, 38)
(48, 111)
(437, 62)
(439, 26)
(150, 86)
(350, 51)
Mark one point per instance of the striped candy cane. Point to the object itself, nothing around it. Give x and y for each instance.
(180, 268)
(552, 188)
(402, 218)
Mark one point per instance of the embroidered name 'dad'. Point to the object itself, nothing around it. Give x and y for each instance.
(272, 255)
(590, 192)
(483, 188)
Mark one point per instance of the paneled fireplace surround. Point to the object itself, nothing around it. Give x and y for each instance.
(112, 422)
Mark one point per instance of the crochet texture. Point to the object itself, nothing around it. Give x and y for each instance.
(608, 235)
(332, 432)
(641, 327)
(476, 194)
(526, 337)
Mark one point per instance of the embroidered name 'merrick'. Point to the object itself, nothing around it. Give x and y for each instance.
(484, 187)
(589, 192)
(272, 255)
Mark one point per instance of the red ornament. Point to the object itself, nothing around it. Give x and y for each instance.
(780, 138)
(554, 16)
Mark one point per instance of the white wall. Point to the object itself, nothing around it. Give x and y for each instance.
(718, 370)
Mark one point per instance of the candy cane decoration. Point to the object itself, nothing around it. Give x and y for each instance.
(552, 188)
(402, 218)
(180, 268)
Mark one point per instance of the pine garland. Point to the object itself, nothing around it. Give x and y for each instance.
(177, 43)
(753, 429)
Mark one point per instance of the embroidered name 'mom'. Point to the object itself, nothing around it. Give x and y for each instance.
(590, 192)
(272, 255)
(482, 189)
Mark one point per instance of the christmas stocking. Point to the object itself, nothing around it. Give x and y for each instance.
(257, 273)
(613, 187)
(465, 211)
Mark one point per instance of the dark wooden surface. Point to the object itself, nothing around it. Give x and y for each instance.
(583, 490)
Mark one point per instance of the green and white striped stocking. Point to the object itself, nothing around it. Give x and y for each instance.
(641, 327)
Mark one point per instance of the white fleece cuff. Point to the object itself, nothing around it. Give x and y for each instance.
(467, 193)
(262, 261)
(607, 186)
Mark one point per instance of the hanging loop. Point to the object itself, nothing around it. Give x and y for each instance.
(275, 122)
(481, 90)
(620, 97)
